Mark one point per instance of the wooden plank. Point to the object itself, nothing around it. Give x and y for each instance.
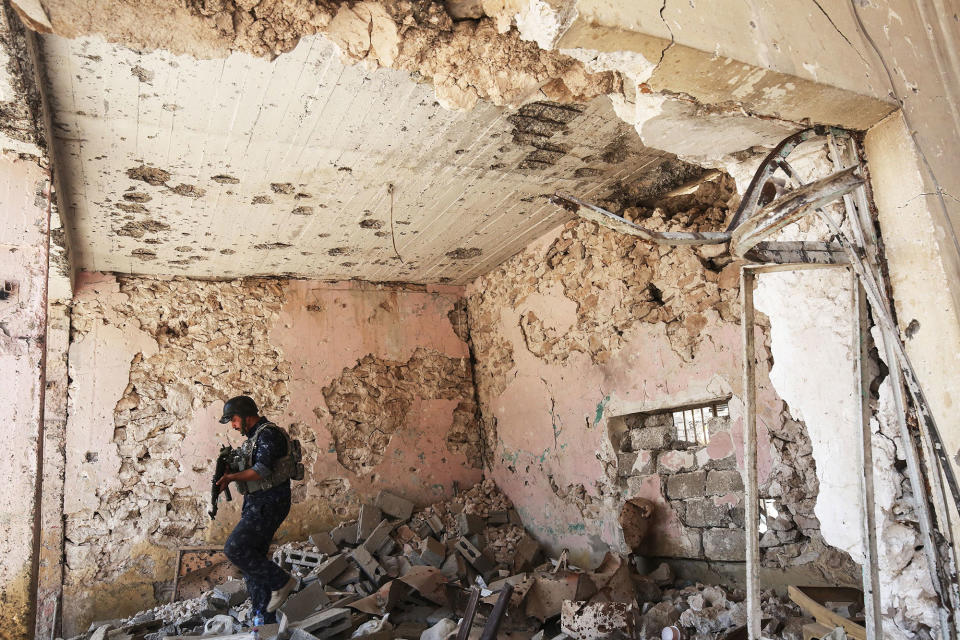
(496, 616)
(468, 615)
(823, 615)
(815, 631)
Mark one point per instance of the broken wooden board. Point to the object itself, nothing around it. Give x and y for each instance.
(811, 599)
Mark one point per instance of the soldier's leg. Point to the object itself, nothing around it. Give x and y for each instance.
(272, 516)
(247, 549)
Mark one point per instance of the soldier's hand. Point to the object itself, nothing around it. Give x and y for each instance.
(224, 481)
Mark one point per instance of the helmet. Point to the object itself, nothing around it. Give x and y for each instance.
(239, 406)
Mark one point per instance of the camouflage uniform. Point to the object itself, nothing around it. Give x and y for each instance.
(263, 513)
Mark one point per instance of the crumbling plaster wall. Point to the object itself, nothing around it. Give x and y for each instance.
(151, 361)
(22, 328)
(24, 186)
(588, 325)
(808, 341)
(917, 250)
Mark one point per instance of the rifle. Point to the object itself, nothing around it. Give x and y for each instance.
(222, 467)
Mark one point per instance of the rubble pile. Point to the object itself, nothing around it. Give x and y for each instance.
(393, 573)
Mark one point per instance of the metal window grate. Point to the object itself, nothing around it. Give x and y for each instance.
(691, 422)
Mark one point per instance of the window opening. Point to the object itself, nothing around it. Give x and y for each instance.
(691, 422)
(767, 510)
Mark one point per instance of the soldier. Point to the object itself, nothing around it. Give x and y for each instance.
(265, 468)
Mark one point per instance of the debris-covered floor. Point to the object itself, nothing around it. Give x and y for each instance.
(396, 573)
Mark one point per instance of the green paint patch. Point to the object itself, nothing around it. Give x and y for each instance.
(577, 527)
(510, 457)
(601, 406)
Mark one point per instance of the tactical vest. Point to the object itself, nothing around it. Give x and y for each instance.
(289, 467)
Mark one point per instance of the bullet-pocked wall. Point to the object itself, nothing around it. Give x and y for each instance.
(375, 381)
(587, 331)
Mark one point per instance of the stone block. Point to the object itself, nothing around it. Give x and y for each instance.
(625, 462)
(806, 523)
(331, 569)
(478, 540)
(498, 517)
(659, 616)
(345, 532)
(727, 462)
(724, 544)
(433, 552)
(646, 462)
(304, 603)
(676, 461)
(370, 516)
(386, 549)
(662, 576)
(659, 420)
(721, 482)
(378, 536)
(484, 566)
(636, 485)
(232, 591)
(769, 539)
(687, 485)
(394, 506)
(703, 512)
(323, 623)
(435, 524)
(738, 515)
(295, 557)
(514, 517)
(470, 524)
(368, 565)
(324, 543)
(527, 554)
(652, 438)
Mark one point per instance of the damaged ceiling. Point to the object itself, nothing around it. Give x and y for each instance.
(243, 166)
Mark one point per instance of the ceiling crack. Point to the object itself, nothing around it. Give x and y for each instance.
(672, 37)
(837, 29)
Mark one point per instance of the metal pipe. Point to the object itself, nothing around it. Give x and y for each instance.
(752, 533)
(871, 576)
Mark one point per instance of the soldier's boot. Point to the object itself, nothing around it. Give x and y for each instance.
(280, 596)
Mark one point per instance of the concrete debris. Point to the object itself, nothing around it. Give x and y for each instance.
(596, 620)
(351, 589)
(442, 630)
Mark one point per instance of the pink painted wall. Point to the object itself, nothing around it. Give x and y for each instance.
(151, 363)
(552, 417)
(326, 328)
